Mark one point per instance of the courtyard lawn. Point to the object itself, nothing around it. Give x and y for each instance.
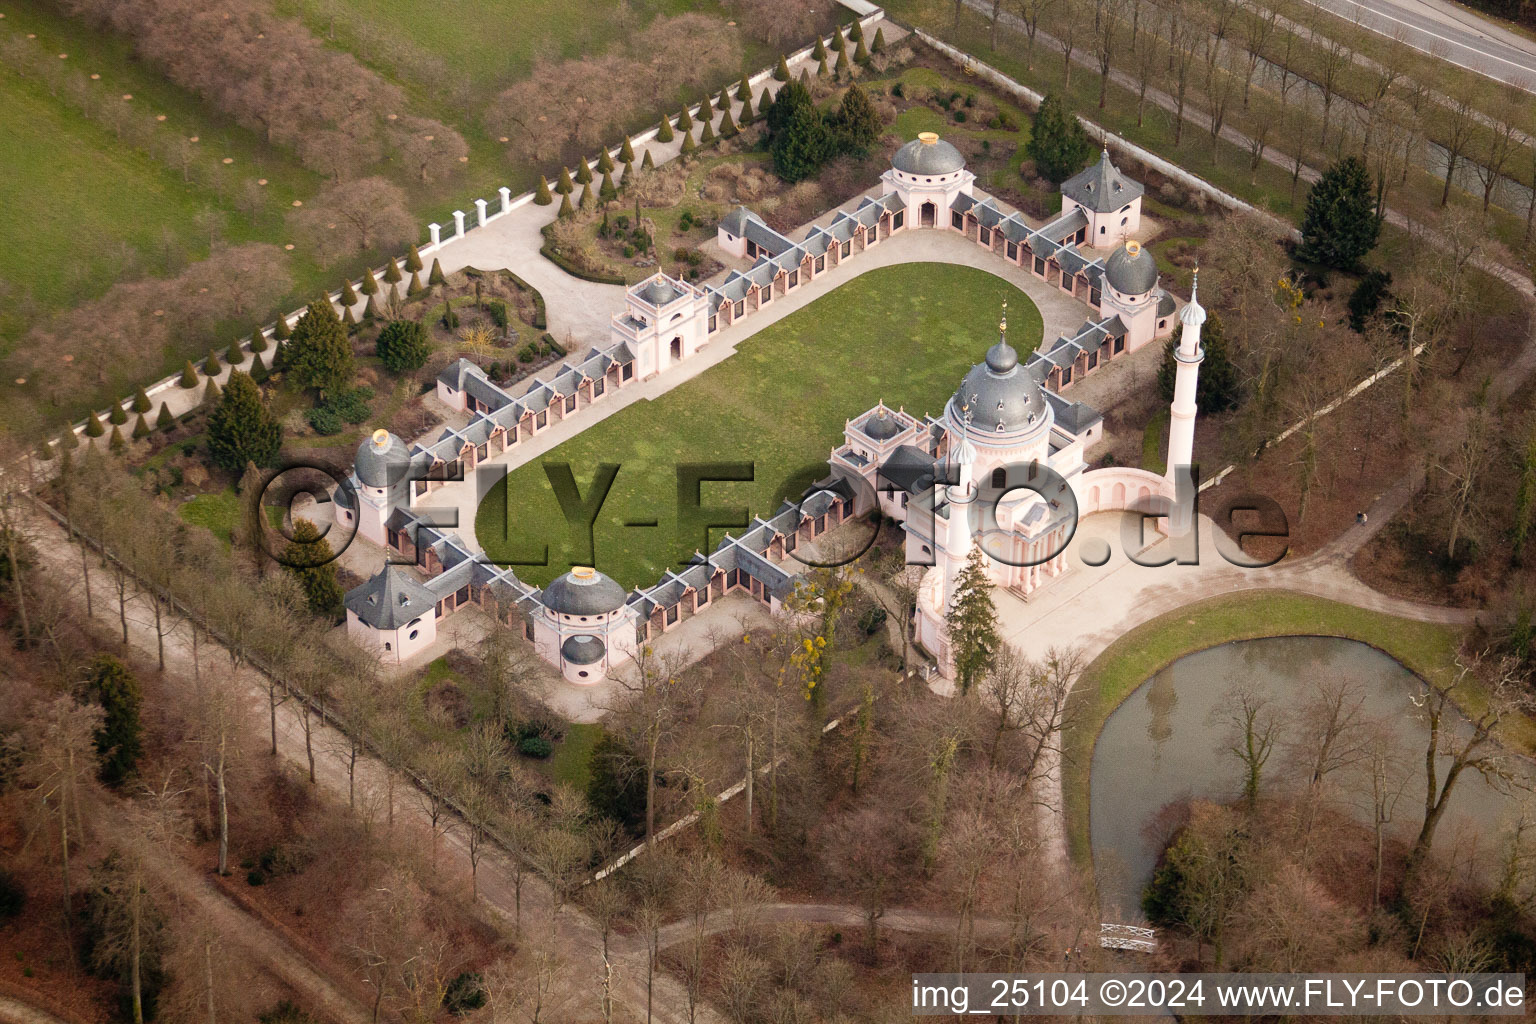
(905, 334)
(1426, 648)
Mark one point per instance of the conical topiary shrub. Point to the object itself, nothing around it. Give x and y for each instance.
(583, 172)
(856, 31)
(392, 273)
(69, 440)
(744, 89)
(117, 415)
(588, 200)
(236, 355)
(822, 71)
(369, 285)
(819, 51)
(566, 210)
(258, 341)
(372, 310)
(436, 278)
(542, 195)
(563, 184)
(689, 146)
(142, 428)
(348, 294)
(663, 133)
(781, 73)
(707, 135)
(348, 317)
(646, 163)
(805, 75)
(211, 366)
(165, 421)
(140, 401)
(413, 260)
(747, 113)
(211, 393)
(627, 177)
(706, 110)
(685, 121)
(605, 163)
(727, 126)
(843, 65)
(281, 331)
(838, 45)
(861, 54)
(93, 427)
(414, 288)
(878, 46)
(116, 442)
(188, 375)
(627, 152)
(606, 191)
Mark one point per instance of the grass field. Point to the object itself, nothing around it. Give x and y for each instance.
(1426, 648)
(904, 334)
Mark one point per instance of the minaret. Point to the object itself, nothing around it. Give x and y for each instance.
(961, 493)
(1188, 356)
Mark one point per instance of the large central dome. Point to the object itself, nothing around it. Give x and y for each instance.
(999, 395)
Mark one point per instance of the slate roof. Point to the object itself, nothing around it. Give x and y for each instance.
(390, 599)
(1101, 187)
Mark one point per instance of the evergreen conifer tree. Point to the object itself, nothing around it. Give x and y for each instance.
(348, 318)
(819, 51)
(281, 331)
(706, 110)
(744, 88)
(117, 442)
(211, 393)
(689, 146)
(117, 415)
(972, 622)
(646, 163)
(822, 71)
(781, 73)
(69, 440)
(542, 195)
(857, 124)
(878, 46)
(392, 273)
(566, 210)
(861, 54)
(211, 365)
(188, 375)
(414, 288)
(564, 185)
(319, 355)
(1340, 224)
(436, 278)
(728, 126)
(856, 31)
(707, 134)
(372, 310)
(370, 285)
(1058, 144)
(403, 346)
(258, 341)
(413, 257)
(663, 134)
(142, 428)
(685, 121)
(605, 162)
(606, 190)
(309, 558)
(234, 355)
(348, 294)
(583, 172)
(93, 427)
(241, 428)
(141, 401)
(627, 152)
(747, 114)
(165, 420)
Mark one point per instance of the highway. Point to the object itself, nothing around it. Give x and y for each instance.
(1449, 32)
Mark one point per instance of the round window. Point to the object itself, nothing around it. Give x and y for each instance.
(414, 633)
(582, 673)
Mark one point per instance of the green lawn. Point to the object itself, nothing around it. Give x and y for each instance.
(1425, 648)
(571, 762)
(904, 334)
(220, 513)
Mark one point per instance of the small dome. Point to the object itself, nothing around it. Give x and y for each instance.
(659, 292)
(1001, 357)
(382, 460)
(584, 591)
(882, 426)
(928, 154)
(583, 650)
(1131, 270)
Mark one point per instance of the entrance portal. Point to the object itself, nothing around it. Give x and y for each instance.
(677, 349)
(929, 214)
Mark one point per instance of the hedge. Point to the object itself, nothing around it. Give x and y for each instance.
(549, 253)
(540, 317)
(555, 346)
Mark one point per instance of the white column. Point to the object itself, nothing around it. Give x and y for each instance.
(436, 231)
(480, 212)
(506, 199)
(957, 535)
(1188, 356)
(458, 223)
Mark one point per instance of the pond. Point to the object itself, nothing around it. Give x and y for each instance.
(1169, 742)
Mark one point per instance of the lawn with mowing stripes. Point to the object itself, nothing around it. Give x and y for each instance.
(905, 334)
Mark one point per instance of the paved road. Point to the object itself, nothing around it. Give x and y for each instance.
(1449, 32)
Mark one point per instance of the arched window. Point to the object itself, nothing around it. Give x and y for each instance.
(999, 477)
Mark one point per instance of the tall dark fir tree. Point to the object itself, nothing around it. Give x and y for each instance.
(1340, 224)
(241, 429)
